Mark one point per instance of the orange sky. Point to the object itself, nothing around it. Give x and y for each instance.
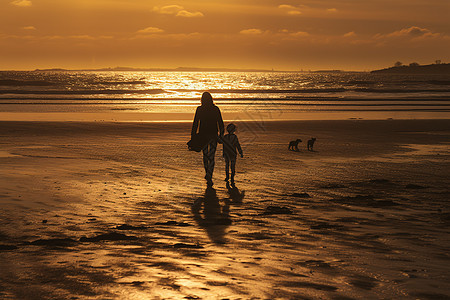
(284, 35)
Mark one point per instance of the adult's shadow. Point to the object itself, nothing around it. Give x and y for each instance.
(235, 194)
(211, 215)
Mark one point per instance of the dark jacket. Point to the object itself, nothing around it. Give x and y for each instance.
(208, 121)
(230, 145)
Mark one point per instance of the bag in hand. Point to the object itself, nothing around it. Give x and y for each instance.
(197, 143)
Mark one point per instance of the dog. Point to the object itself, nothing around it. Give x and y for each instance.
(293, 145)
(310, 144)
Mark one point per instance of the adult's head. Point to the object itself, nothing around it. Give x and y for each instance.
(207, 99)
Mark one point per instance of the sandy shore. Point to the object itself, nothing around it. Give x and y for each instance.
(121, 211)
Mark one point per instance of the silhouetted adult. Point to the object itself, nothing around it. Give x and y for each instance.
(208, 121)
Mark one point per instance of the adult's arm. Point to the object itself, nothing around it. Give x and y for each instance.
(195, 123)
(220, 123)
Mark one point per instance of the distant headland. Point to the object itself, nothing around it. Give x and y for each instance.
(414, 68)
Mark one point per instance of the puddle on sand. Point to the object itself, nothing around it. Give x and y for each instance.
(432, 153)
(418, 149)
(7, 154)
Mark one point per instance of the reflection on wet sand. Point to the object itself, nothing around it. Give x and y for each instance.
(106, 210)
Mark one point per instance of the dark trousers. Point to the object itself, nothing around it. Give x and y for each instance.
(209, 152)
(230, 162)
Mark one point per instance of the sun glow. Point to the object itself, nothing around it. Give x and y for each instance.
(98, 33)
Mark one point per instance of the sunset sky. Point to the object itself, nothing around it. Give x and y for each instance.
(284, 35)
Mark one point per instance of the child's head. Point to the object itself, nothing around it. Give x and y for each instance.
(231, 128)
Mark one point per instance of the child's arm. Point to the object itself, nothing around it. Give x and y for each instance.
(238, 146)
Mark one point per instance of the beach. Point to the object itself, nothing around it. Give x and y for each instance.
(120, 210)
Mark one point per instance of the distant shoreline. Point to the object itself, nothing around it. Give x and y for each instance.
(431, 69)
(179, 69)
(182, 69)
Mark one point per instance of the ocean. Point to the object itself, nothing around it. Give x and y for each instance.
(298, 95)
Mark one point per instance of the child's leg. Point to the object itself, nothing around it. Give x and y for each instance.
(227, 168)
(233, 169)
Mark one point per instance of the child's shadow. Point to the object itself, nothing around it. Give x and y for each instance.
(235, 195)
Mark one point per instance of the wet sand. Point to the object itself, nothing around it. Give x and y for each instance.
(121, 211)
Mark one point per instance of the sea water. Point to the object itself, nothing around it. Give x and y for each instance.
(286, 93)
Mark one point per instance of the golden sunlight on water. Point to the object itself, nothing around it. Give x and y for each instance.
(133, 96)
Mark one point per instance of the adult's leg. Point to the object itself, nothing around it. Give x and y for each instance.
(208, 159)
(205, 158)
(211, 157)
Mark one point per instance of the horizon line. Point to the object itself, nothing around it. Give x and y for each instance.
(178, 69)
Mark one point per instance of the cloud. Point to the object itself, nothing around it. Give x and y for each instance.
(29, 28)
(294, 12)
(51, 38)
(82, 37)
(177, 10)
(168, 9)
(252, 31)
(21, 3)
(412, 33)
(299, 34)
(187, 14)
(150, 30)
(186, 36)
(37, 38)
(332, 10)
(286, 6)
(291, 10)
(293, 34)
(169, 37)
(350, 34)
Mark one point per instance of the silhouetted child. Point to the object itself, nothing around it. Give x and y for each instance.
(230, 147)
